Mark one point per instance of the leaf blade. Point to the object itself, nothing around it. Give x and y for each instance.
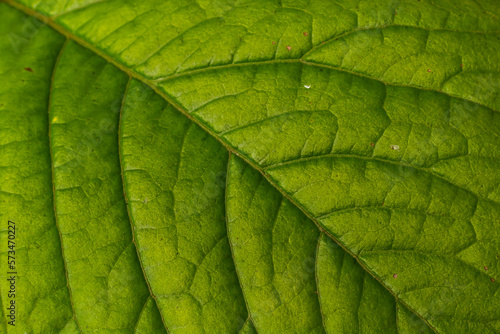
(26, 190)
(170, 190)
(91, 210)
(484, 162)
(274, 248)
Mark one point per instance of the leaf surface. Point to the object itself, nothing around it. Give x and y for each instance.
(199, 167)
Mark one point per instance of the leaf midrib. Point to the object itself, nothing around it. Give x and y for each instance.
(151, 84)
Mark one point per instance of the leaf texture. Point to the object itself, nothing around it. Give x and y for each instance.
(251, 166)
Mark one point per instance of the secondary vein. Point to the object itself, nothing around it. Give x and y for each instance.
(134, 239)
(53, 184)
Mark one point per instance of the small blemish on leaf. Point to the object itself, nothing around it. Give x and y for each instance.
(305, 33)
(307, 86)
(395, 147)
(29, 69)
(372, 144)
(429, 70)
(485, 268)
(274, 43)
(288, 47)
(395, 275)
(493, 280)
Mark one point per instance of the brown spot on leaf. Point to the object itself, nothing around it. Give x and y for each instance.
(395, 275)
(288, 47)
(29, 69)
(485, 268)
(305, 33)
(429, 70)
(274, 43)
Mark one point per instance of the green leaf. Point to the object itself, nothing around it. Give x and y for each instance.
(250, 166)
